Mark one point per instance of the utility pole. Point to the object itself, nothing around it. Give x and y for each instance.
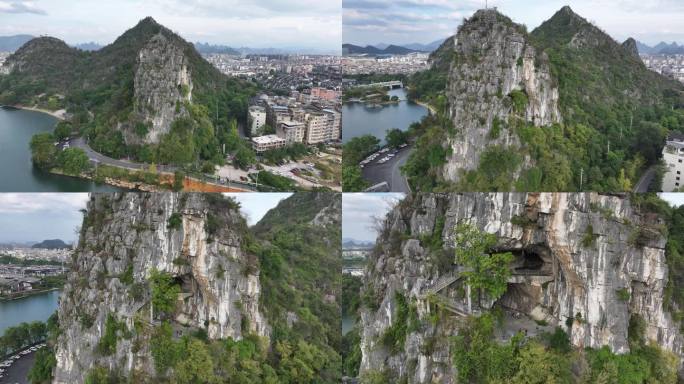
(581, 178)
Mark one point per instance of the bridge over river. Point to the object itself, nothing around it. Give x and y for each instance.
(394, 84)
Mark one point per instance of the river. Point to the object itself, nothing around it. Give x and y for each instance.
(17, 173)
(27, 309)
(359, 120)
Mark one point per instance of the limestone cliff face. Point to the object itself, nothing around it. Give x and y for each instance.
(162, 83)
(124, 238)
(559, 273)
(490, 58)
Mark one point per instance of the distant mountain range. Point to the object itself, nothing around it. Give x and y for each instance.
(389, 49)
(348, 243)
(206, 48)
(662, 48)
(12, 43)
(52, 244)
(92, 46)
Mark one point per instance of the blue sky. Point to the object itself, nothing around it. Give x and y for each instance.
(313, 24)
(424, 21)
(359, 211)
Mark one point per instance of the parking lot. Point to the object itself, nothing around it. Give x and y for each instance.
(385, 166)
(15, 368)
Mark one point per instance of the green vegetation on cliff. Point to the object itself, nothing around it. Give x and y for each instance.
(98, 89)
(479, 358)
(615, 116)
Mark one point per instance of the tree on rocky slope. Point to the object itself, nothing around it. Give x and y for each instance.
(485, 272)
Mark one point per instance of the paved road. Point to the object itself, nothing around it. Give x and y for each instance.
(18, 372)
(390, 171)
(646, 180)
(102, 159)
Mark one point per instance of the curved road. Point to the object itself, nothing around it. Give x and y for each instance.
(102, 159)
(645, 180)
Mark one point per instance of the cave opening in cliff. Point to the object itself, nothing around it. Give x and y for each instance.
(186, 282)
(530, 260)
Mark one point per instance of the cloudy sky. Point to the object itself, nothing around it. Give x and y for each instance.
(424, 21)
(40, 216)
(255, 205)
(309, 24)
(675, 199)
(359, 211)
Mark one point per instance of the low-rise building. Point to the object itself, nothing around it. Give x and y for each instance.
(673, 155)
(267, 143)
(325, 94)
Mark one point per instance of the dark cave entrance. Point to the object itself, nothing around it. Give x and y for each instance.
(528, 261)
(534, 260)
(186, 283)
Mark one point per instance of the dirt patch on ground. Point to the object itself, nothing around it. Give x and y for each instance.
(191, 185)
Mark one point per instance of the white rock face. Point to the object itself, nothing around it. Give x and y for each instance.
(491, 59)
(162, 83)
(220, 286)
(578, 279)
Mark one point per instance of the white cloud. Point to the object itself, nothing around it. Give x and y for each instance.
(313, 24)
(42, 202)
(649, 21)
(20, 7)
(360, 210)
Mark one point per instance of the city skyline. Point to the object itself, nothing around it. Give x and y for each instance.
(300, 25)
(370, 22)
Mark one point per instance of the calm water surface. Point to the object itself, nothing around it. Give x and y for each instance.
(359, 120)
(17, 173)
(32, 308)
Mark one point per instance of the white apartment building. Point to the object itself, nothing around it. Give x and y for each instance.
(673, 155)
(316, 128)
(292, 131)
(267, 143)
(257, 119)
(334, 124)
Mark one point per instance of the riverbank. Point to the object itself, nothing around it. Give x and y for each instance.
(59, 114)
(29, 294)
(433, 110)
(165, 185)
